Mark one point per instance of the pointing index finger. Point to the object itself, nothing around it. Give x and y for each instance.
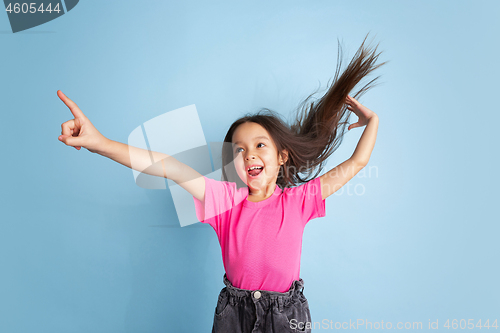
(75, 110)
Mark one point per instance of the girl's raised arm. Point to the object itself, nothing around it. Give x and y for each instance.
(80, 132)
(342, 173)
(366, 143)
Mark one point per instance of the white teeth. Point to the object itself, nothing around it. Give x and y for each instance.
(254, 167)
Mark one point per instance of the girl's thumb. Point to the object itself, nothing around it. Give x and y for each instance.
(70, 140)
(353, 126)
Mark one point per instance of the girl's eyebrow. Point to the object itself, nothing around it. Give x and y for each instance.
(257, 137)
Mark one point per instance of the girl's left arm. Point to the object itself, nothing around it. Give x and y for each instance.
(342, 173)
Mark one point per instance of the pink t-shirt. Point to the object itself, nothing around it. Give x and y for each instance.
(261, 242)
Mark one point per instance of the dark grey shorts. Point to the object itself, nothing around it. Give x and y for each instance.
(261, 311)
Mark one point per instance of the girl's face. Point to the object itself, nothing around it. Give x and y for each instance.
(252, 146)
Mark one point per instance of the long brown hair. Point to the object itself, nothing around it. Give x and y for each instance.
(319, 126)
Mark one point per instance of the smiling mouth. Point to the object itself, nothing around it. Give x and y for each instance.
(255, 171)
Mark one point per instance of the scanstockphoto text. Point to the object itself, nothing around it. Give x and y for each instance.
(349, 189)
(451, 324)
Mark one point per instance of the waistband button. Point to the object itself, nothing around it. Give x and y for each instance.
(257, 294)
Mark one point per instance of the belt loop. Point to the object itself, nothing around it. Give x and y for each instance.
(301, 284)
(280, 304)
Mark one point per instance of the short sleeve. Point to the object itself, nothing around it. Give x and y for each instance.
(308, 198)
(217, 204)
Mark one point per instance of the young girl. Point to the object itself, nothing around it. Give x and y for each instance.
(256, 211)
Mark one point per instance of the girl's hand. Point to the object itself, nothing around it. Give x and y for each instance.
(361, 111)
(79, 132)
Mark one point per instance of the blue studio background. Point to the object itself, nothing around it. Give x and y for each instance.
(84, 249)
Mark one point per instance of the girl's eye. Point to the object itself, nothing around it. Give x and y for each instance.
(237, 150)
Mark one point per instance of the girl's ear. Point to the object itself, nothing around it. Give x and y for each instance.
(283, 160)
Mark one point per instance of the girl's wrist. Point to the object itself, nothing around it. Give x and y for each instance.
(104, 147)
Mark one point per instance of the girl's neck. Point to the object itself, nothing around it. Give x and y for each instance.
(262, 195)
